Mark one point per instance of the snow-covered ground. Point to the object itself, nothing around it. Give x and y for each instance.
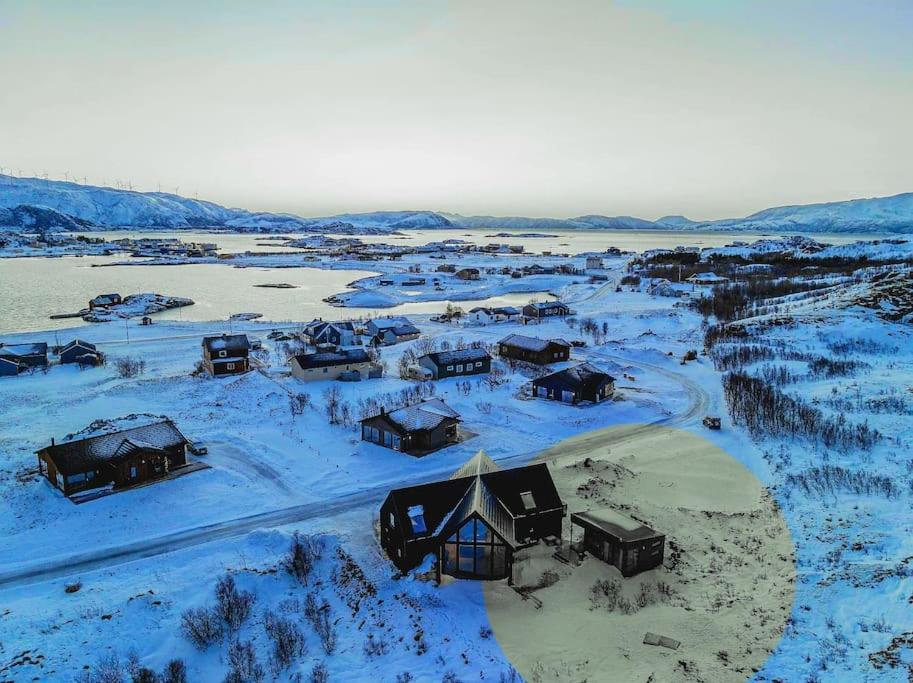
(144, 556)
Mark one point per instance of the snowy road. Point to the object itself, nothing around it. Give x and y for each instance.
(79, 563)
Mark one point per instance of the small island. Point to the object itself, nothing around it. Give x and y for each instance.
(107, 307)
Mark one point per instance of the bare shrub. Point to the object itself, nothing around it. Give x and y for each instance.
(303, 554)
(319, 673)
(829, 479)
(128, 367)
(243, 666)
(605, 592)
(319, 616)
(202, 626)
(109, 669)
(144, 675)
(299, 402)
(287, 641)
(175, 672)
(232, 605)
(375, 646)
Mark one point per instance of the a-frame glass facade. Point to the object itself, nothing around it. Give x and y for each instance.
(475, 551)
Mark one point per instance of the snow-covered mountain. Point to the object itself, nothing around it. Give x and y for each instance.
(33, 203)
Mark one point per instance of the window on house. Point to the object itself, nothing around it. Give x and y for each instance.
(417, 517)
(529, 503)
(459, 368)
(230, 366)
(326, 370)
(222, 354)
(478, 363)
(133, 472)
(449, 368)
(392, 521)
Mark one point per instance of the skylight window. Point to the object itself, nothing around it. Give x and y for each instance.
(417, 517)
(529, 503)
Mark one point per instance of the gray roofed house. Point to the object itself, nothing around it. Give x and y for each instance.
(121, 458)
(34, 355)
(534, 350)
(104, 301)
(417, 429)
(387, 331)
(583, 382)
(456, 363)
(348, 364)
(545, 309)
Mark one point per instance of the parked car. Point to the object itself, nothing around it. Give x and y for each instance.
(712, 422)
(197, 447)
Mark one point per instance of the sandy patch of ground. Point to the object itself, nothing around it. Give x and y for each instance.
(725, 589)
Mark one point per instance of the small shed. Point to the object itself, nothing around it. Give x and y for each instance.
(619, 540)
(79, 351)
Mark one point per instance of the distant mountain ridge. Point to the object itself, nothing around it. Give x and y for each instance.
(33, 203)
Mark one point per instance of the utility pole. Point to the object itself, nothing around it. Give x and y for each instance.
(127, 328)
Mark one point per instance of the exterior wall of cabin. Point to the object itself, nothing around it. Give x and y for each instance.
(559, 391)
(629, 557)
(478, 367)
(538, 525)
(381, 431)
(8, 368)
(218, 367)
(330, 371)
(553, 353)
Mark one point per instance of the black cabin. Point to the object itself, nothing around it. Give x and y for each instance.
(582, 382)
(622, 542)
(534, 350)
(456, 363)
(26, 355)
(418, 429)
(124, 458)
(473, 522)
(79, 351)
(545, 309)
(226, 354)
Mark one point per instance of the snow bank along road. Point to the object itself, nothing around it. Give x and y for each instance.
(58, 567)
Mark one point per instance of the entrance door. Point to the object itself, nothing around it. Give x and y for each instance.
(567, 396)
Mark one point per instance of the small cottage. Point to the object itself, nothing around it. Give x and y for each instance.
(468, 274)
(118, 459)
(419, 429)
(473, 523)
(226, 354)
(534, 350)
(394, 330)
(105, 301)
(594, 263)
(335, 333)
(79, 351)
(707, 279)
(349, 364)
(545, 309)
(483, 315)
(620, 541)
(26, 355)
(456, 363)
(584, 382)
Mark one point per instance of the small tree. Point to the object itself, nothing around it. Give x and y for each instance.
(233, 605)
(202, 626)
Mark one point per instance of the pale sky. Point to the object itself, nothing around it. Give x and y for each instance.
(708, 108)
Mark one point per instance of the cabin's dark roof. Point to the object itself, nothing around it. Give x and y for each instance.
(531, 343)
(477, 487)
(545, 305)
(106, 298)
(584, 376)
(444, 358)
(400, 326)
(14, 350)
(232, 344)
(84, 454)
(80, 343)
(615, 524)
(320, 327)
(332, 358)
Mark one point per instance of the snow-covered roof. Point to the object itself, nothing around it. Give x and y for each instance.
(708, 277)
(83, 454)
(332, 358)
(39, 349)
(425, 415)
(457, 356)
(387, 323)
(478, 464)
(80, 343)
(582, 376)
(615, 523)
(234, 343)
(531, 343)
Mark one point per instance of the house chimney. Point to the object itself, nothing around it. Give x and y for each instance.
(52, 440)
(382, 410)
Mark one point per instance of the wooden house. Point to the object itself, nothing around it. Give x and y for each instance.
(468, 274)
(584, 382)
(456, 363)
(418, 429)
(79, 351)
(617, 539)
(335, 333)
(105, 301)
(534, 350)
(545, 309)
(26, 355)
(226, 354)
(473, 523)
(349, 364)
(707, 279)
(119, 459)
(394, 330)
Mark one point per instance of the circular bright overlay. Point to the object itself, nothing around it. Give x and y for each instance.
(724, 592)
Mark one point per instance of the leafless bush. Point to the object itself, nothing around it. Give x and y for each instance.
(319, 616)
(144, 675)
(319, 673)
(405, 677)
(287, 640)
(202, 626)
(495, 378)
(450, 677)
(232, 605)
(829, 479)
(509, 675)
(303, 554)
(375, 646)
(128, 367)
(298, 403)
(175, 672)
(605, 592)
(109, 669)
(485, 407)
(332, 398)
(243, 666)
